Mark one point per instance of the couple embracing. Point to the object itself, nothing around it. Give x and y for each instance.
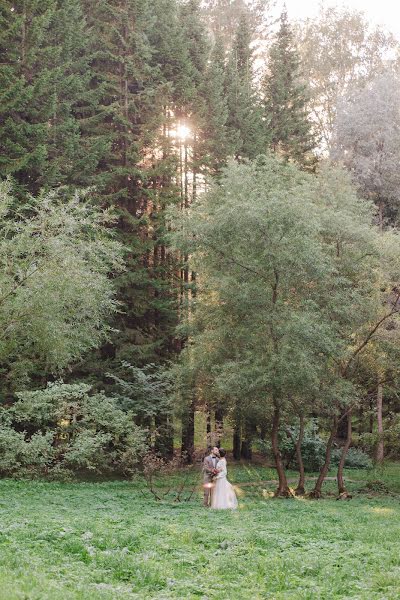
(218, 492)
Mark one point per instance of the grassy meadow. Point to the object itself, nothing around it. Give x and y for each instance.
(106, 540)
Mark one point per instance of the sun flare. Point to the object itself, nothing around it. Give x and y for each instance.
(183, 132)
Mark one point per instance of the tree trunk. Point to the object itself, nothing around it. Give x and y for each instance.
(219, 425)
(300, 490)
(237, 438)
(164, 444)
(342, 429)
(263, 430)
(283, 488)
(340, 480)
(208, 427)
(380, 215)
(317, 491)
(379, 455)
(246, 450)
(187, 448)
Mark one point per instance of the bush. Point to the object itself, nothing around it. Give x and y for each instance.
(64, 429)
(313, 448)
(17, 456)
(355, 459)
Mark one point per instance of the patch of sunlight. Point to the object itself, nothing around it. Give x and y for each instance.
(380, 510)
(253, 472)
(238, 491)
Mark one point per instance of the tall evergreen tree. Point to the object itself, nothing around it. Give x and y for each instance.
(288, 127)
(244, 115)
(215, 147)
(45, 94)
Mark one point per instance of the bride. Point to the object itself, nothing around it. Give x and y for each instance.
(223, 495)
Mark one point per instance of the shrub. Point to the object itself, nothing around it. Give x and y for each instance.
(64, 429)
(355, 459)
(312, 449)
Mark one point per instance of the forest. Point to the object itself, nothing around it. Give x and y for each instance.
(199, 237)
(199, 276)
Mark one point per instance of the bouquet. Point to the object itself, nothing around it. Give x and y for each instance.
(213, 474)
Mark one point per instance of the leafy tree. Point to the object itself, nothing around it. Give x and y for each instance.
(367, 141)
(290, 285)
(339, 50)
(288, 126)
(223, 17)
(56, 295)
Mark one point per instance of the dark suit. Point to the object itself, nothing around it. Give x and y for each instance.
(210, 462)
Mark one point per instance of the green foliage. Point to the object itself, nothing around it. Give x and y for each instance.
(146, 391)
(56, 297)
(291, 283)
(355, 458)
(64, 429)
(312, 448)
(287, 122)
(244, 122)
(46, 95)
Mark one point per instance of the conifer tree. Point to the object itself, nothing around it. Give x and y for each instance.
(216, 147)
(287, 124)
(244, 115)
(45, 95)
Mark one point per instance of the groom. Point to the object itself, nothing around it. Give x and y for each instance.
(209, 464)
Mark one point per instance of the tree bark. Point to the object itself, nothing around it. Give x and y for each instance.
(246, 448)
(237, 438)
(341, 433)
(164, 444)
(283, 490)
(208, 426)
(300, 489)
(317, 491)
(379, 455)
(187, 448)
(380, 215)
(340, 480)
(219, 425)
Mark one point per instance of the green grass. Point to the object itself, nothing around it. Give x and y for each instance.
(95, 541)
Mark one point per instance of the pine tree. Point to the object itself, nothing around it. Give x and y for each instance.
(215, 148)
(287, 124)
(244, 116)
(45, 95)
(26, 87)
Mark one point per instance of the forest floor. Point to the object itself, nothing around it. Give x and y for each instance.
(97, 541)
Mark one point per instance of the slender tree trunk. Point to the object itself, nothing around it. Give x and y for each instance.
(300, 490)
(263, 430)
(380, 215)
(371, 415)
(237, 438)
(317, 491)
(379, 455)
(246, 450)
(283, 487)
(208, 426)
(340, 480)
(341, 433)
(187, 447)
(164, 443)
(219, 425)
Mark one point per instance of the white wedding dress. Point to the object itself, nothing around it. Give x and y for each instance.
(223, 494)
